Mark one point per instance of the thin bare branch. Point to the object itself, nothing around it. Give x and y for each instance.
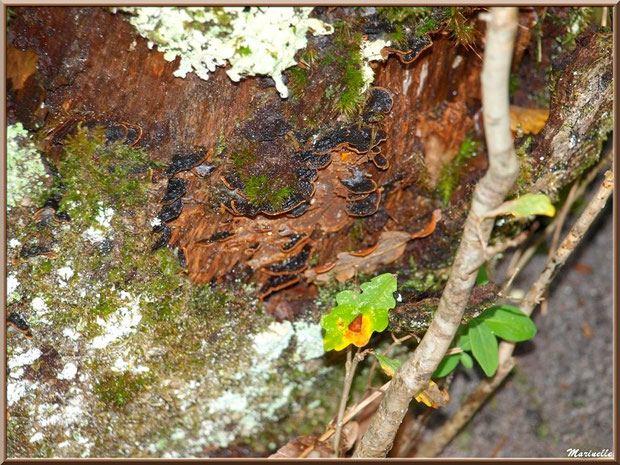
(490, 192)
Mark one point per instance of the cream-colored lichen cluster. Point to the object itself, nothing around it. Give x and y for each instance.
(370, 50)
(254, 41)
(25, 169)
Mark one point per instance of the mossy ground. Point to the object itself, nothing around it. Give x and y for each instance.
(134, 359)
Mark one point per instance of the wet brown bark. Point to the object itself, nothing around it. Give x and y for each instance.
(92, 64)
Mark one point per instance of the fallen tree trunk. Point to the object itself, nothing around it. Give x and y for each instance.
(260, 189)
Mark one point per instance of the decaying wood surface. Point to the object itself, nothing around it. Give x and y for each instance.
(91, 63)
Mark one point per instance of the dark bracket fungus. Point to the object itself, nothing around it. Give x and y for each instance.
(171, 211)
(294, 241)
(276, 283)
(32, 248)
(318, 162)
(205, 169)
(299, 210)
(379, 102)
(116, 133)
(380, 161)
(175, 190)
(412, 49)
(17, 322)
(183, 161)
(268, 177)
(50, 208)
(127, 133)
(357, 139)
(134, 134)
(292, 265)
(219, 236)
(366, 206)
(163, 239)
(307, 174)
(359, 183)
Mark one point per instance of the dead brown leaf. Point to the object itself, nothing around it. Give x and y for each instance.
(389, 248)
(433, 396)
(312, 447)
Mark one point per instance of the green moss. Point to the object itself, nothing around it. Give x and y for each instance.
(344, 56)
(404, 13)
(451, 172)
(243, 157)
(119, 390)
(457, 24)
(298, 80)
(94, 173)
(525, 166)
(260, 190)
(423, 280)
(356, 233)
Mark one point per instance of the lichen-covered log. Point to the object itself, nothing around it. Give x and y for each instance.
(581, 115)
(173, 204)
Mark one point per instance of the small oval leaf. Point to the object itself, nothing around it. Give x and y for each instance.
(484, 347)
(508, 322)
(447, 364)
(466, 360)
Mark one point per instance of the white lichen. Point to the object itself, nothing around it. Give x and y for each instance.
(12, 283)
(24, 359)
(68, 372)
(309, 341)
(120, 324)
(39, 305)
(270, 343)
(100, 229)
(71, 334)
(123, 365)
(25, 170)
(65, 273)
(254, 41)
(371, 51)
(36, 437)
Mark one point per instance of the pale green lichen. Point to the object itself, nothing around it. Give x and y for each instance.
(254, 41)
(25, 169)
(371, 51)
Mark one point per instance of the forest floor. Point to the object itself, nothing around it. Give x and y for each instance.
(560, 395)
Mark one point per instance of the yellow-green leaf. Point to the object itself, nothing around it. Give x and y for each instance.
(389, 366)
(526, 205)
(358, 315)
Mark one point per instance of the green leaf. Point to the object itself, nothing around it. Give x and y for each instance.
(447, 364)
(466, 360)
(526, 205)
(508, 322)
(390, 366)
(463, 340)
(483, 276)
(373, 303)
(484, 347)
